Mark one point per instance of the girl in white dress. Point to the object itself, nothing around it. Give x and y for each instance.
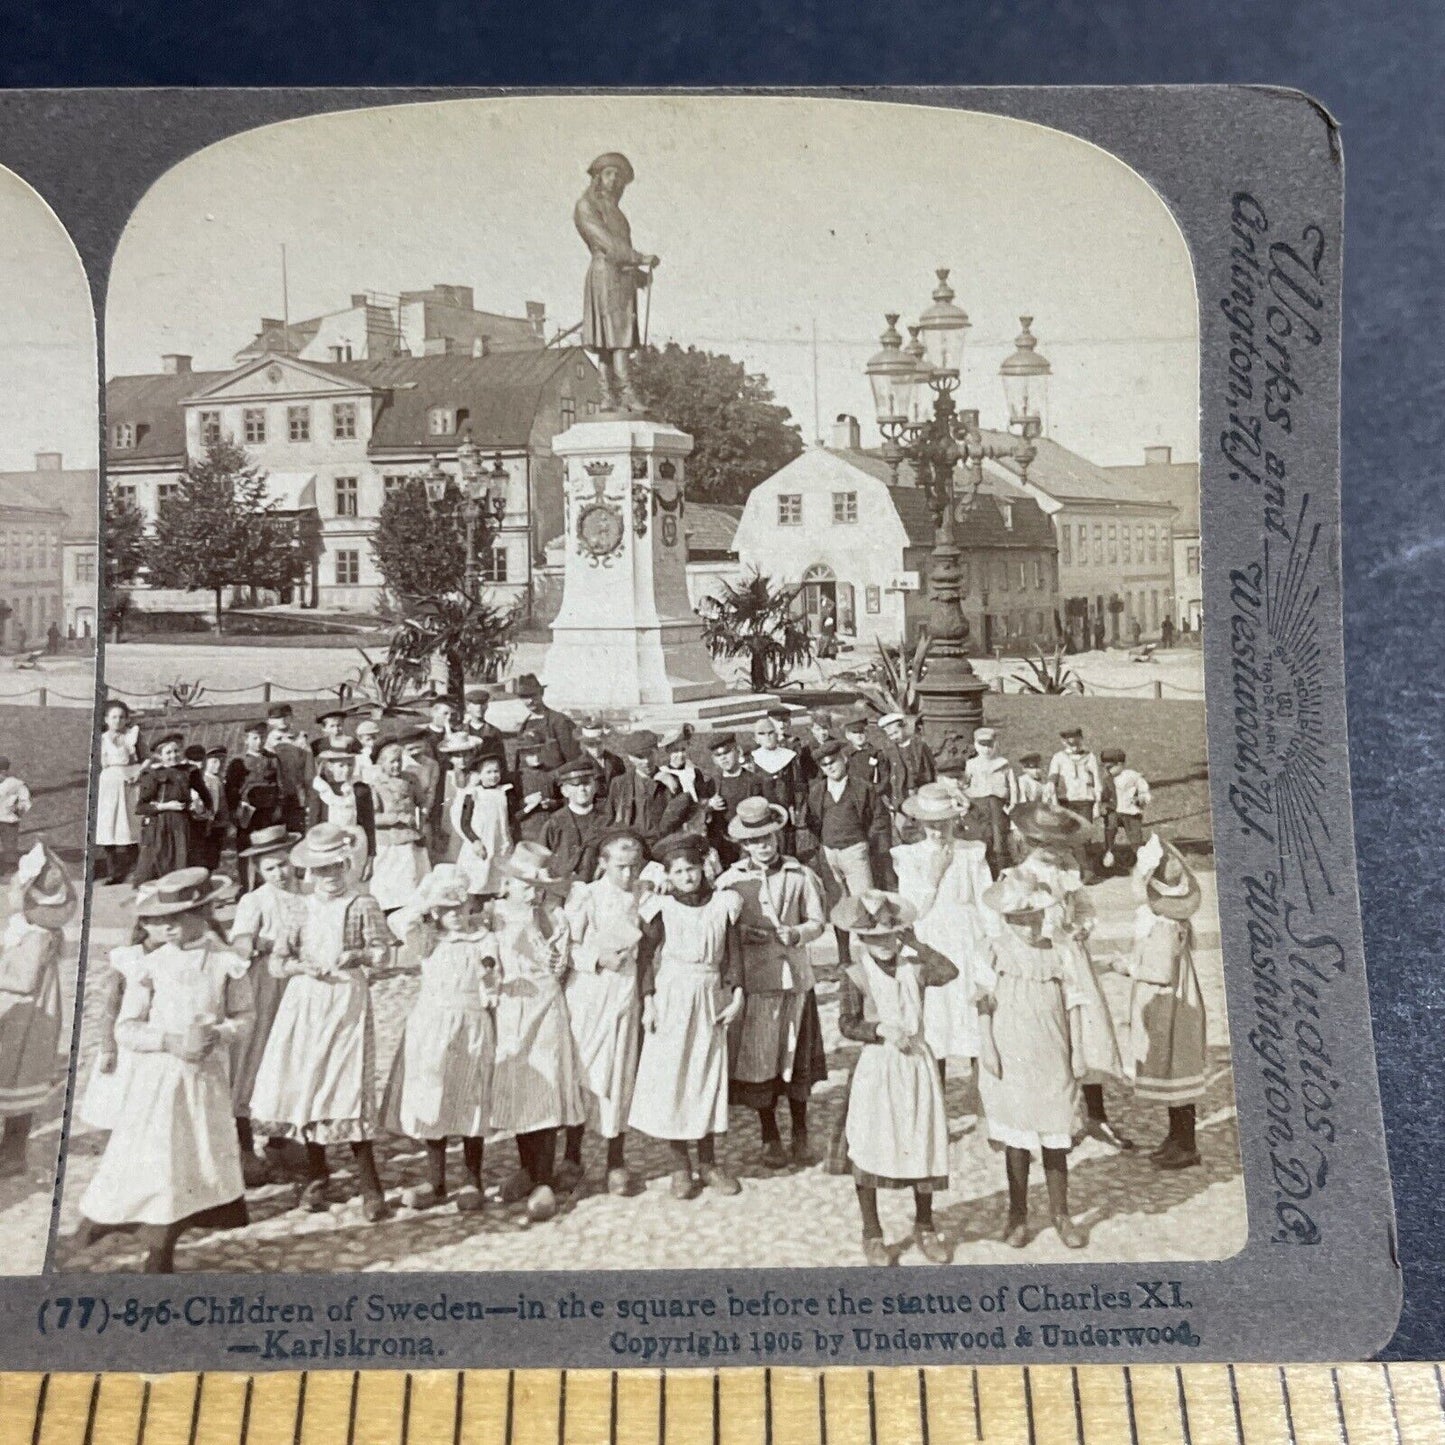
(441, 1078)
(172, 1162)
(401, 861)
(264, 916)
(481, 818)
(943, 876)
(691, 980)
(896, 1128)
(115, 826)
(535, 1087)
(317, 1079)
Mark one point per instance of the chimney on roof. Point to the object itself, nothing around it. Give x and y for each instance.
(47, 461)
(537, 317)
(176, 363)
(1158, 456)
(358, 298)
(846, 435)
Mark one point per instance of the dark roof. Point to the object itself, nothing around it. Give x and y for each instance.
(501, 394)
(72, 491)
(277, 336)
(710, 529)
(153, 403)
(985, 526)
(1068, 477)
(1176, 482)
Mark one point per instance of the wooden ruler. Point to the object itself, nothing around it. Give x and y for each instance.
(1095, 1405)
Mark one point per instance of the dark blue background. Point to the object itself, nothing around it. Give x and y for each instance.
(1380, 76)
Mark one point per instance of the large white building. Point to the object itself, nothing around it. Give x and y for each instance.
(1161, 476)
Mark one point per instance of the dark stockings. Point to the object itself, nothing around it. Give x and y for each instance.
(1094, 1103)
(868, 1208)
(244, 1137)
(538, 1152)
(365, 1157)
(845, 955)
(615, 1153)
(472, 1150)
(572, 1148)
(707, 1150)
(1181, 1126)
(1056, 1177)
(436, 1166)
(119, 860)
(768, 1123)
(15, 1136)
(316, 1166)
(798, 1115)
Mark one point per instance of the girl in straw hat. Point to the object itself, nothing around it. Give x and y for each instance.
(441, 1078)
(263, 917)
(1168, 1044)
(896, 1128)
(943, 876)
(317, 1080)
(400, 862)
(31, 1062)
(692, 988)
(481, 820)
(535, 1086)
(603, 1004)
(171, 1162)
(1033, 1056)
(339, 796)
(777, 1044)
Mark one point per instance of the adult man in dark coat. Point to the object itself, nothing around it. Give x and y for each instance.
(555, 727)
(638, 800)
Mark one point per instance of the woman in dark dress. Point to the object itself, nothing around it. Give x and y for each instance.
(165, 796)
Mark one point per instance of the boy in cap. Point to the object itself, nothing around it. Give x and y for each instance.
(734, 781)
(590, 735)
(211, 830)
(1078, 783)
(639, 799)
(333, 732)
(989, 782)
(253, 794)
(868, 763)
(294, 765)
(1126, 795)
(776, 1046)
(474, 716)
(896, 1127)
(1030, 784)
(842, 811)
(575, 831)
(535, 784)
(910, 761)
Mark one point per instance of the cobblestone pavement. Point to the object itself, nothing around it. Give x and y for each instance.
(786, 1218)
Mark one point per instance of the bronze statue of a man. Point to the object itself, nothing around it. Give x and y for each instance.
(617, 273)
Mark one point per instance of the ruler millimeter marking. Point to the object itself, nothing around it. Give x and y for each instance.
(1370, 1404)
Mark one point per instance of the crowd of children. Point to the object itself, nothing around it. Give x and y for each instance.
(611, 936)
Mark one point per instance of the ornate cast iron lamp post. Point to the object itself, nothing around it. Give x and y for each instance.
(484, 494)
(938, 447)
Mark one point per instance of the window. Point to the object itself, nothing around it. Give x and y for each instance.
(1113, 544)
(1039, 573)
(210, 428)
(85, 566)
(29, 550)
(569, 412)
(346, 497)
(1002, 575)
(1191, 561)
(392, 482)
(125, 495)
(1023, 577)
(348, 568)
(873, 600)
(1153, 609)
(440, 421)
(790, 509)
(298, 423)
(122, 436)
(1098, 545)
(165, 491)
(493, 564)
(1066, 545)
(1083, 549)
(1153, 544)
(253, 425)
(1127, 540)
(845, 506)
(343, 420)
(1139, 544)
(341, 352)
(591, 408)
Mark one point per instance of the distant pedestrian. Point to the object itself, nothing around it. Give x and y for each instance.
(1166, 632)
(14, 805)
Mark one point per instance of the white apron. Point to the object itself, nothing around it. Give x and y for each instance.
(266, 914)
(104, 1097)
(173, 1150)
(682, 1074)
(897, 1128)
(114, 819)
(491, 824)
(602, 1001)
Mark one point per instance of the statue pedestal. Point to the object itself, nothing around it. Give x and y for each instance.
(626, 639)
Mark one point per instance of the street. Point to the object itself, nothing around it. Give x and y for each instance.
(787, 1218)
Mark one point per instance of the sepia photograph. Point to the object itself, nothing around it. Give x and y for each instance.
(49, 561)
(653, 703)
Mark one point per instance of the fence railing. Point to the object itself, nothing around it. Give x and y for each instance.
(1158, 689)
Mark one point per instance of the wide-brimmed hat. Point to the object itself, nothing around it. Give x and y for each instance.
(640, 744)
(830, 749)
(874, 914)
(327, 844)
(477, 694)
(1013, 896)
(936, 802)
(270, 840)
(1179, 900)
(47, 896)
(459, 745)
(756, 818)
(678, 737)
(1047, 823)
(444, 887)
(532, 863)
(183, 891)
(528, 685)
(344, 750)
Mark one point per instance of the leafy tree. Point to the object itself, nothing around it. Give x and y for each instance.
(219, 530)
(740, 434)
(757, 620)
(420, 550)
(124, 549)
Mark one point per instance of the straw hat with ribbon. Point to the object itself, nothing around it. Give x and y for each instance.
(874, 914)
(756, 818)
(531, 863)
(1016, 897)
(1048, 824)
(327, 844)
(45, 893)
(183, 891)
(1177, 897)
(444, 887)
(936, 802)
(275, 839)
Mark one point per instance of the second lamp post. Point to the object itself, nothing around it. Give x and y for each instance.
(484, 497)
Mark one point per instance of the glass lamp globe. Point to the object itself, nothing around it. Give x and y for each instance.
(1026, 378)
(892, 376)
(943, 326)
